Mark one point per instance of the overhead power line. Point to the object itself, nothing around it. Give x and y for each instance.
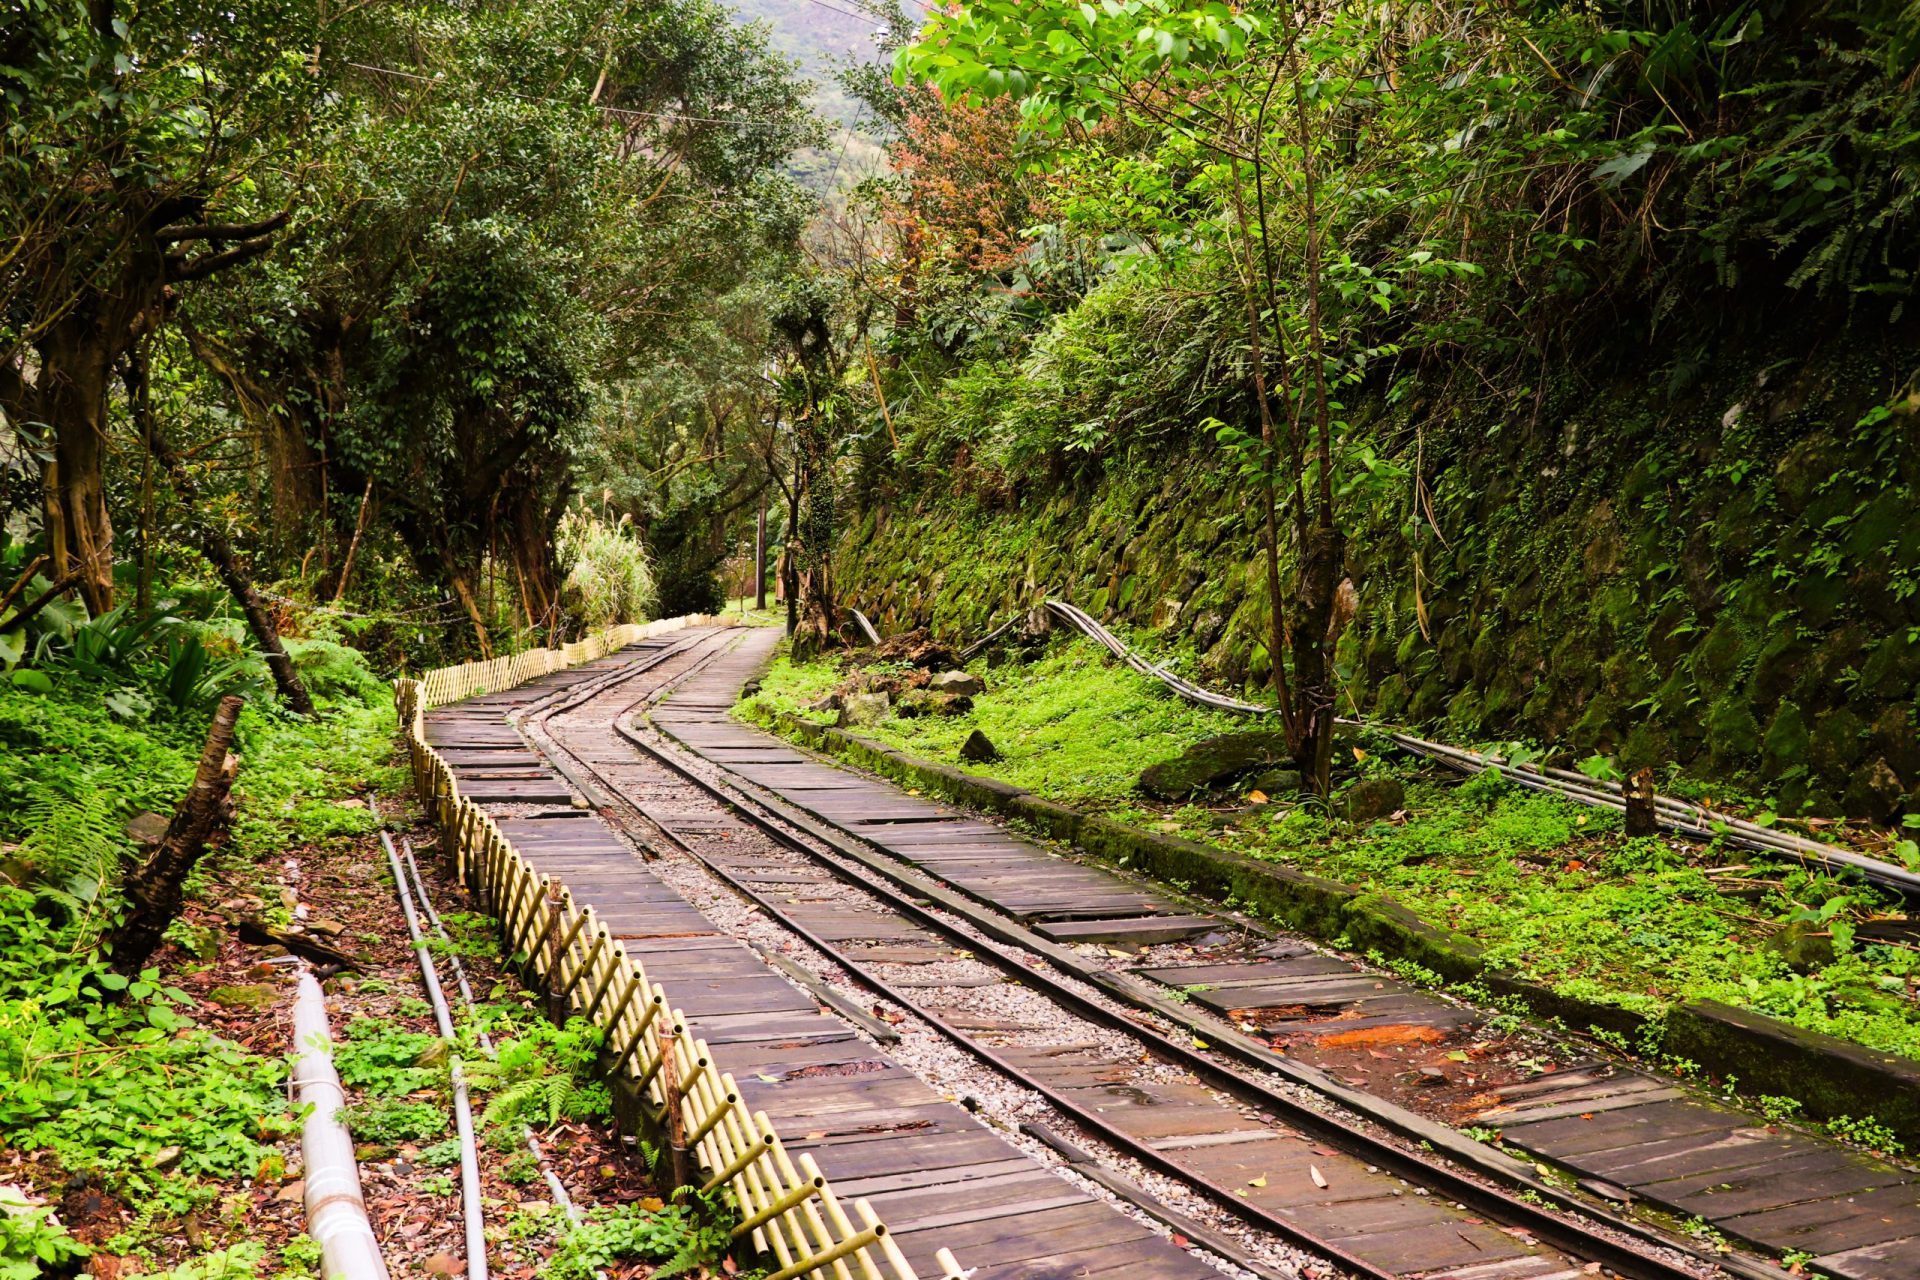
(738, 122)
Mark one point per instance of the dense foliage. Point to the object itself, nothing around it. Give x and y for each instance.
(1494, 308)
(381, 276)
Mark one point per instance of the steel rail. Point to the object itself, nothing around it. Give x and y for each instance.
(907, 889)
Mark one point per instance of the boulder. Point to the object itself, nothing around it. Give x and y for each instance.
(865, 709)
(1373, 798)
(1210, 763)
(1876, 793)
(979, 749)
(925, 702)
(1800, 943)
(957, 682)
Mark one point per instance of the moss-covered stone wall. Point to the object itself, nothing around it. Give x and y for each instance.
(1724, 575)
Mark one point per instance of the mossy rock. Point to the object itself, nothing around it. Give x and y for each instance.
(1390, 697)
(1212, 762)
(1837, 743)
(1777, 666)
(1466, 713)
(1799, 473)
(1818, 596)
(254, 997)
(1597, 728)
(1875, 792)
(1719, 654)
(1894, 737)
(1646, 746)
(1429, 698)
(1892, 667)
(1882, 523)
(1786, 743)
(1733, 733)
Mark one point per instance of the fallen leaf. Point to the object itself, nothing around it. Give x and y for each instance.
(1256, 797)
(1180, 1241)
(442, 1264)
(1458, 1055)
(1260, 1181)
(1319, 1179)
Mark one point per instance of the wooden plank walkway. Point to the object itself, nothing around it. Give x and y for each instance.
(937, 1177)
(1778, 1190)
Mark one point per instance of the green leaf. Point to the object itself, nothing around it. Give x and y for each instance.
(32, 681)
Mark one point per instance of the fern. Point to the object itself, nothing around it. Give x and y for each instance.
(74, 844)
(546, 1100)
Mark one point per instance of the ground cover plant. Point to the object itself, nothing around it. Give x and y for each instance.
(1552, 889)
(137, 1100)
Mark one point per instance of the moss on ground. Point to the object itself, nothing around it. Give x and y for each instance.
(1552, 890)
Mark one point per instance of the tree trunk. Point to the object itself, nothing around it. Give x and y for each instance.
(226, 564)
(1321, 564)
(359, 531)
(464, 590)
(76, 360)
(1642, 815)
(155, 890)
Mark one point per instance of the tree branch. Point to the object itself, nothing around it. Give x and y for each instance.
(224, 231)
(180, 270)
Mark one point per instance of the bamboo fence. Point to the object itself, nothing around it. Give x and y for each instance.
(785, 1205)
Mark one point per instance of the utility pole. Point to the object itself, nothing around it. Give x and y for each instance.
(760, 559)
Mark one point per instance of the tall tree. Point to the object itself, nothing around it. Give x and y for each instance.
(131, 140)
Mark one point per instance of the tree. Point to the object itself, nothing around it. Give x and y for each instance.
(123, 178)
(1241, 110)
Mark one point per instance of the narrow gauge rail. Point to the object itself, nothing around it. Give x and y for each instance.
(1179, 1128)
(880, 1131)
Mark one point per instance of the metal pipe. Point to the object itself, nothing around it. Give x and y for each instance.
(554, 1185)
(336, 1210)
(476, 1230)
(1676, 815)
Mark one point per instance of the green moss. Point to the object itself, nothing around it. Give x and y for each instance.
(1733, 734)
(1786, 742)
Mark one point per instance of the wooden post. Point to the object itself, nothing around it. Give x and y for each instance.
(677, 1169)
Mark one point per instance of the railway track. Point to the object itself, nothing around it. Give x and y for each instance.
(1271, 1170)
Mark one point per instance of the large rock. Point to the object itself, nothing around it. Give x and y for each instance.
(1373, 798)
(925, 702)
(979, 749)
(957, 682)
(1207, 764)
(1876, 793)
(865, 708)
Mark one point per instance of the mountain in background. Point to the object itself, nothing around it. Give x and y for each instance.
(822, 39)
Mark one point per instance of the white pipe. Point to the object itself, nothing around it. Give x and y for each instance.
(336, 1211)
(462, 1108)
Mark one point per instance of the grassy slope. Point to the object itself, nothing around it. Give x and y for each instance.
(1553, 889)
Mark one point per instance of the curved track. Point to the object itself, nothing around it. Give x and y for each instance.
(1087, 1051)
